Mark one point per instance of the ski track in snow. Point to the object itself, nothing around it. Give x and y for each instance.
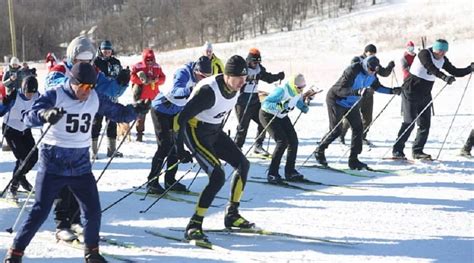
(421, 212)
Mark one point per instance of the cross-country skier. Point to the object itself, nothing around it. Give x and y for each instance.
(166, 107)
(201, 129)
(17, 135)
(248, 103)
(274, 113)
(416, 95)
(343, 99)
(64, 154)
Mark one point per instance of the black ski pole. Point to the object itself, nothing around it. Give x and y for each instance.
(416, 118)
(137, 188)
(455, 114)
(26, 160)
(333, 129)
(116, 150)
(165, 192)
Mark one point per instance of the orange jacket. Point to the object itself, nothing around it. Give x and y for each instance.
(153, 72)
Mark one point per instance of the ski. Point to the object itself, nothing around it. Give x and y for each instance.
(284, 185)
(191, 193)
(76, 244)
(169, 197)
(344, 171)
(310, 182)
(197, 243)
(402, 160)
(260, 156)
(263, 232)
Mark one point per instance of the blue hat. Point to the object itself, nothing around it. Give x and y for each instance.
(370, 62)
(106, 45)
(441, 45)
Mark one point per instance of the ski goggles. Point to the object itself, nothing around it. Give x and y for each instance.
(85, 86)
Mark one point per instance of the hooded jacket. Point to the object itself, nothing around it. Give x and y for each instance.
(154, 75)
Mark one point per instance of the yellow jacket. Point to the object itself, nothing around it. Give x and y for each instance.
(217, 66)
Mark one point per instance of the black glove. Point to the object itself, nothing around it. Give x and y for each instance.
(362, 92)
(391, 65)
(53, 115)
(184, 156)
(281, 75)
(449, 79)
(9, 98)
(472, 66)
(123, 77)
(142, 106)
(397, 90)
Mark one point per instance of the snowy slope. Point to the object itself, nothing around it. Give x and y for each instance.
(419, 212)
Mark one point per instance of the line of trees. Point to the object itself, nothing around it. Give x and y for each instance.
(47, 25)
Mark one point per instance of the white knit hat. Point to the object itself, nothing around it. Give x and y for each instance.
(14, 61)
(207, 46)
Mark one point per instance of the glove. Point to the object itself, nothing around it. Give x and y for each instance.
(391, 65)
(449, 79)
(53, 115)
(142, 106)
(137, 92)
(123, 77)
(397, 90)
(472, 66)
(281, 75)
(184, 156)
(305, 109)
(362, 92)
(8, 98)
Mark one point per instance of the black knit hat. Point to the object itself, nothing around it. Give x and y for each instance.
(236, 66)
(203, 65)
(29, 85)
(83, 73)
(370, 48)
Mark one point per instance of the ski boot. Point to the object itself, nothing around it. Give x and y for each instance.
(421, 156)
(178, 187)
(65, 234)
(139, 136)
(233, 219)
(355, 164)
(91, 255)
(194, 229)
(77, 229)
(14, 188)
(465, 152)
(112, 147)
(398, 155)
(258, 150)
(25, 184)
(13, 256)
(154, 187)
(294, 176)
(320, 157)
(274, 178)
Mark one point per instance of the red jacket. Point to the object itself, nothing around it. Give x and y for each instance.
(153, 72)
(407, 60)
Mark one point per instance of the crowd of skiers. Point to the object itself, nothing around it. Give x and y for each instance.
(85, 87)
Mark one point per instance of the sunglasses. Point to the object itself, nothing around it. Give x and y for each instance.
(300, 88)
(85, 86)
(204, 75)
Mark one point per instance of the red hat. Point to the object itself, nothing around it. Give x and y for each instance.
(410, 44)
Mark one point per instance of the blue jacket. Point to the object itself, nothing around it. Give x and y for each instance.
(282, 100)
(70, 161)
(106, 86)
(354, 78)
(173, 101)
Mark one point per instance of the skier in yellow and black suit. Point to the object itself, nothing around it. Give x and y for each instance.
(200, 125)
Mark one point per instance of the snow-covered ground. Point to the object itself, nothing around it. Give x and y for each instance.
(420, 212)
